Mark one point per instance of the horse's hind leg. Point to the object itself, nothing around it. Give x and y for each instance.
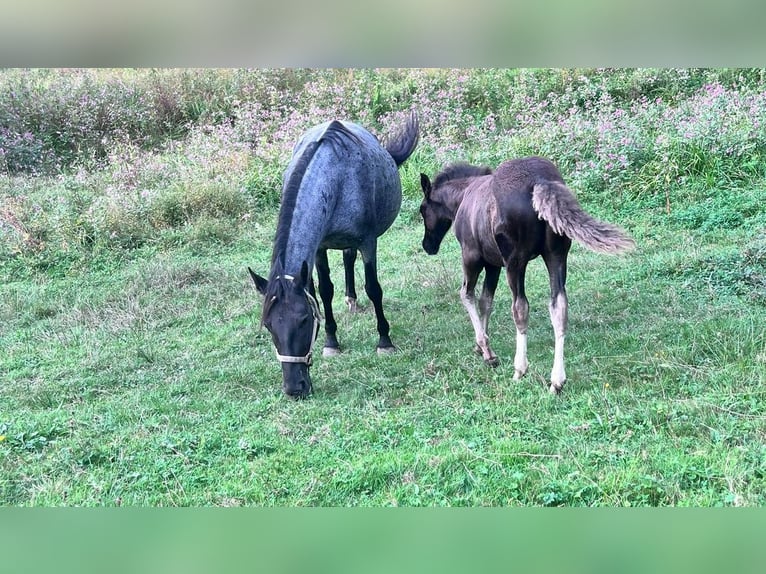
(479, 318)
(516, 273)
(349, 259)
(556, 262)
(326, 292)
(515, 262)
(375, 293)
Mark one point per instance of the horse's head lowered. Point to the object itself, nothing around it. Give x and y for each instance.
(291, 315)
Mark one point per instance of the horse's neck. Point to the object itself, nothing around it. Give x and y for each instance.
(454, 196)
(306, 232)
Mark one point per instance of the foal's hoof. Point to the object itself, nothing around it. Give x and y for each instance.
(492, 362)
(555, 388)
(386, 350)
(330, 351)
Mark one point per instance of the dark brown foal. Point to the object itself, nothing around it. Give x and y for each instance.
(504, 219)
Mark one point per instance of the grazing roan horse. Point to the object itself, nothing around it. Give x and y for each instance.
(341, 191)
(503, 220)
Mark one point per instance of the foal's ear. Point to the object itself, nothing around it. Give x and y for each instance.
(260, 282)
(425, 184)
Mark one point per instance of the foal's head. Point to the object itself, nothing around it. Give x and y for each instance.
(441, 200)
(291, 315)
(437, 218)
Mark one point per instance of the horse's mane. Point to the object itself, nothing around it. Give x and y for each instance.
(290, 197)
(459, 170)
(337, 135)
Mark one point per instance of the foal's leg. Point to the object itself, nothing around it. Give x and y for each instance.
(479, 318)
(556, 262)
(515, 262)
(349, 259)
(375, 293)
(486, 301)
(326, 292)
(516, 271)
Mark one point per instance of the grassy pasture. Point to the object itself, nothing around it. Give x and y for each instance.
(134, 372)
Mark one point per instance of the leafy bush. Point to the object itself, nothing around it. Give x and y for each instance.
(121, 156)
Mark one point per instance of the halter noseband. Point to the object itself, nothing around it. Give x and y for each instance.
(307, 358)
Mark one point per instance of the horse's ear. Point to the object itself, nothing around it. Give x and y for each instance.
(425, 184)
(260, 282)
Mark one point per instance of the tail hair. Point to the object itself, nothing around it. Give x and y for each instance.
(555, 203)
(401, 144)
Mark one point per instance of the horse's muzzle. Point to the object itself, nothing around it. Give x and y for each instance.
(297, 383)
(430, 247)
(299, 392)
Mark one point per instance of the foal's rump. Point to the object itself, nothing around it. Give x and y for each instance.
(532, 188)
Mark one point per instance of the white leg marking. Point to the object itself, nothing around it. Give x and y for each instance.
(520, 364)
(558, 312)
(520, 310)
(482, 340)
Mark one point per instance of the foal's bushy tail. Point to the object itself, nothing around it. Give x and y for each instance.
(403, 142)
(555, 203)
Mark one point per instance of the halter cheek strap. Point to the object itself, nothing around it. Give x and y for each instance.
(307, 358)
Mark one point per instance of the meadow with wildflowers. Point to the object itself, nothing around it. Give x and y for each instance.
(133, 369)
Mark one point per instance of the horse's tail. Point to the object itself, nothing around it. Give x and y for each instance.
(403, 142)
(556, 204)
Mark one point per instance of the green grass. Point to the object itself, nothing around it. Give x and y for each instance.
(149, 382)
(133, 369)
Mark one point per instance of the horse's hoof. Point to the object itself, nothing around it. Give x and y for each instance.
(330, 351)
(492, 362)
(555, 389)
(386, 350)
(518, 373)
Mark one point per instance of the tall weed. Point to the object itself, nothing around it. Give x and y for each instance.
(121, 156)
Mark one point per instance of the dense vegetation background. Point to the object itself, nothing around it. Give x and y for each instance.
(133, 370)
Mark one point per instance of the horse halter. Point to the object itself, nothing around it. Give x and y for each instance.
(307, 358)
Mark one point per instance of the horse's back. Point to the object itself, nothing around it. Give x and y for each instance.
(358, 177)
(514, 180)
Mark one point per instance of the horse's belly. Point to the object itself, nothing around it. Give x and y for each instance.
(341, 240)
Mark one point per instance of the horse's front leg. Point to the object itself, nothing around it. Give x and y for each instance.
(471, 270)
(375, 294)
(326, 292)
(487, 298)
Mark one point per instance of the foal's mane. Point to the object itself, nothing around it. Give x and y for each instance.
(338, 136)
(459, 170)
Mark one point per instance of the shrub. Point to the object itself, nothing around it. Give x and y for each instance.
(136, 153)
